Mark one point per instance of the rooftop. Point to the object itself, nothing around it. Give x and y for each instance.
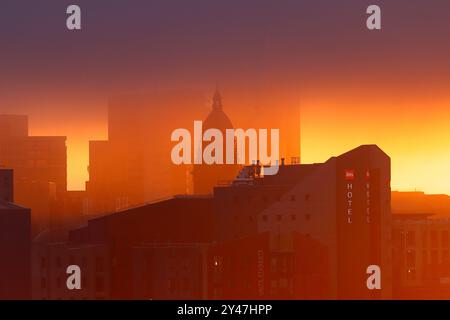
(10, 206)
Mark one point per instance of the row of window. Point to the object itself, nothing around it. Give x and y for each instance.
(428, 257)
(278, 217)
(266, 198)
(429, 238)
(99, 263)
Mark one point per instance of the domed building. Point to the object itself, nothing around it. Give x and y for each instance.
(205, 176)
(217, 118)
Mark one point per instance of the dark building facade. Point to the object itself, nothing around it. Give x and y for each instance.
(122, 241)
(6, 185)
(39, 164)
(421, 264)
(309, 232)
(344, 204)
(15, 250)
(265, 267)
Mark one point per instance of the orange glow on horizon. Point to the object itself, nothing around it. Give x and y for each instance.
(414, 133)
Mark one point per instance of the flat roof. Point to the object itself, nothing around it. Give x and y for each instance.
(10, 206)
(412, 216)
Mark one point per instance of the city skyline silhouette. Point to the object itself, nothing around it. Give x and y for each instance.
(346, 80)
(95, 206)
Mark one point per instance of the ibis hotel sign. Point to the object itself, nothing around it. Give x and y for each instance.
(352, 188)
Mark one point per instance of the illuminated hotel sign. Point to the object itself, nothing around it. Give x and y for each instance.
(350, 178)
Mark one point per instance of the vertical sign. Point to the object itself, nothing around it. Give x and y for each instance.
(349, 177)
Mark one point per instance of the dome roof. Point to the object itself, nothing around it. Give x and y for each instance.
(217, 118)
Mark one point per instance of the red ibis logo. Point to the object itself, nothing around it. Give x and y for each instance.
(349, 174)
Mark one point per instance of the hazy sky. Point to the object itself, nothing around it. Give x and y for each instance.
(388, 87)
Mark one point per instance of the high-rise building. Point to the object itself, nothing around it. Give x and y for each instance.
(39, 164)
(134, 165)
(33, 158)
(343, 203)
(13, 126)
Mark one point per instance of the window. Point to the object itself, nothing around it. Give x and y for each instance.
(185, 284)
(99, 284)
(58, 262)
(273, 284)
(43, 283)
(434, 239)
(445, 257)
(425, 257)
(99, 264)
(411, 274)
(410, 239)
(424, 238)
(283, 283)
(445, 239)
(43, 263)
(218, 261)
(434, 257)
(445, 263)
(410, 259)
(273, 264)
(402, 241)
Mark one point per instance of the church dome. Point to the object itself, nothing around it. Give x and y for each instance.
(217, 118)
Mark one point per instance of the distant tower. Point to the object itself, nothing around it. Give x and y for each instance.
(205, 177)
